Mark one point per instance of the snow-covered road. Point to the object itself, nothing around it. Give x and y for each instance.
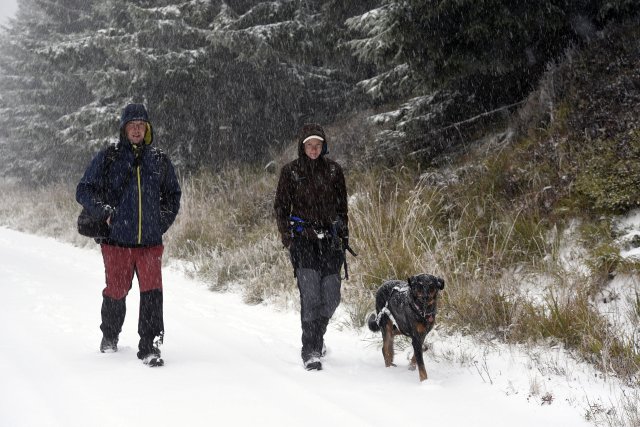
(227, 363)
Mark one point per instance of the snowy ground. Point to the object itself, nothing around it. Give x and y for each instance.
(232, 364)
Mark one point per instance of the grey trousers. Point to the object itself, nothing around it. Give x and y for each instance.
(319, 296)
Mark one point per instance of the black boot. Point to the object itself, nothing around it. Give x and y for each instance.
(321, 325)
(149, 351)
(108, 345)
(150, 321)
(310, 354)
(113, 312)
(150, 327)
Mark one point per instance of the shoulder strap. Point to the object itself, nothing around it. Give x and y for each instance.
(333, 170)
(111, 152)
(163, 159)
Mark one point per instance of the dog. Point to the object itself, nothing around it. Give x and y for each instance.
(407, 308)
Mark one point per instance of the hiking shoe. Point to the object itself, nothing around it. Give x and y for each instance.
(152, 351)
(151, 356)
(153, 360)
(108, 345)
(149, 347)
(313, 364)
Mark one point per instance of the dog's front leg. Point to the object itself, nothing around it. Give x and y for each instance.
(412, 362)
(417, 355)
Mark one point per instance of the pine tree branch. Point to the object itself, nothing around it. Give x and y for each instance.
(479, 116)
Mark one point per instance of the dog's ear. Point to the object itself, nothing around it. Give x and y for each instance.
(410, 280)
(440, 283)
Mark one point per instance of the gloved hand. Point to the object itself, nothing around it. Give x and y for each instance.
(108, 212)
(341, 229)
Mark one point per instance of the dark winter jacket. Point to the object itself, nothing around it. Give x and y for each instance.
(313, 190)
(140, 191)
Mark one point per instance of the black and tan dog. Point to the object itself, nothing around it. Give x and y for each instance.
(407, 308)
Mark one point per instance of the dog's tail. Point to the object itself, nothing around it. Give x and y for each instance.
(372, 323)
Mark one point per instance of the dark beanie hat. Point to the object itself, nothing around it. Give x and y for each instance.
(312, 130)
(133, 112)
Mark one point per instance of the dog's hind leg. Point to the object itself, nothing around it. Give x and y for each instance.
(387, 343)
(412, 362)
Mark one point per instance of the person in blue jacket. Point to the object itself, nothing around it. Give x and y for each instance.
(134, 189)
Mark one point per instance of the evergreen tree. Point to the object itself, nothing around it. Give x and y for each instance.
(458, 60)
(38, 85)
(224, 81)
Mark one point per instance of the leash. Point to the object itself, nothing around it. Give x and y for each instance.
(346, 248)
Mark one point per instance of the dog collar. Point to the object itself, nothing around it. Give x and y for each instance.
(428, 315)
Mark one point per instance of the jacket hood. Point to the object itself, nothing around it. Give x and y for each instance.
(136, 112)
(311, 130)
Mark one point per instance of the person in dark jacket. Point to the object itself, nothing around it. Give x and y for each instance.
(134, 189)
(311, 212)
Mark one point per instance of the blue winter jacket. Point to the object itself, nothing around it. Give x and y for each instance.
(141, 193)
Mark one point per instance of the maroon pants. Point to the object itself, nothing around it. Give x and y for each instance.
(121, 263)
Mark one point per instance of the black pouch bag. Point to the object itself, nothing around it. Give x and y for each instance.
(88, 225)
(92, 227)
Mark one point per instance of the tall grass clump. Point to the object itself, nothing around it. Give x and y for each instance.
(386, 212)
(227, 232)
(409, 225)
(49, 211)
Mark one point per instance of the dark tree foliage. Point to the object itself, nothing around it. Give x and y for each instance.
(39, 85)
(231, 81)
(223, 81)
(476, 56)
(494, 48)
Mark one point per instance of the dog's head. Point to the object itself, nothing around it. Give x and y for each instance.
(424, 290)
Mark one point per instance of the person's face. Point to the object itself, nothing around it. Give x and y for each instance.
(135, 131)
(313, 148)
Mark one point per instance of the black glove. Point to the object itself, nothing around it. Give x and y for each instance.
(341, 229)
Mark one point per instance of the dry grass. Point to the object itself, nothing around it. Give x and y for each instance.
(226, 230)
(49, 211)
(401, 223)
